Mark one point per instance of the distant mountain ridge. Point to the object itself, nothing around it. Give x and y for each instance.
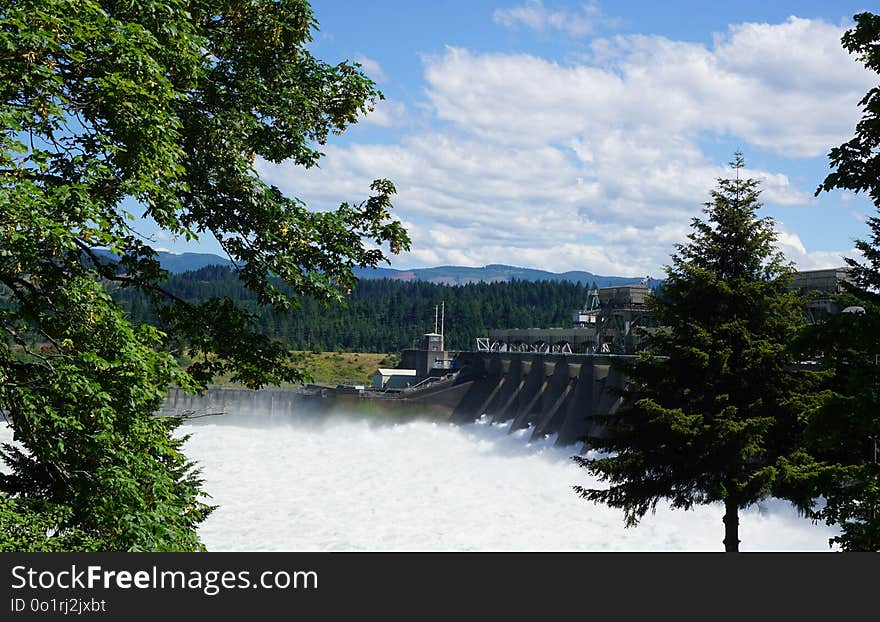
(177, 263)
(462, 275)
(441, 275)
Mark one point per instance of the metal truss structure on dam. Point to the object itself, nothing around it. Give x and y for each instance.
(616, 320)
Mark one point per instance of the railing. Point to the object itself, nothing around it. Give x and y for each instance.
(429, 381)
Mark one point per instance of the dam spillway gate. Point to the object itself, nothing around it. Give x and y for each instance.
(550, 393)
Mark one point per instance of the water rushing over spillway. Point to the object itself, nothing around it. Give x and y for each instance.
(346, 483)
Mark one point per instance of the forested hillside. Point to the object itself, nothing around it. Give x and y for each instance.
(442, 275)
(384, 315)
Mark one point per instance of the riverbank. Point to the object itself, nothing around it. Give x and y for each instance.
(329, 369)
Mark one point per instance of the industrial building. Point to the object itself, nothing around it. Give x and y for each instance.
(393, 378)
(823, 284)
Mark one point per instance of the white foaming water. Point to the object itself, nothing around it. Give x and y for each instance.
(345, 484)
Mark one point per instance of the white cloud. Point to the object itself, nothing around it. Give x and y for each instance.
(793, 248)
(387, 113)
(598, 165)
(787, 88)
(533, 14)
(372, 68)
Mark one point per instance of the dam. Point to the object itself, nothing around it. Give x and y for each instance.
(551, 394)
(551, 381)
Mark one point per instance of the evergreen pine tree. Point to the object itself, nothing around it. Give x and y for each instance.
(844, 432)
(713, 407)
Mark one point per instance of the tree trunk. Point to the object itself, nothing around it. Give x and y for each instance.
(731, 526)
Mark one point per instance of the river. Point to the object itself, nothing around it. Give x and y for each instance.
(346, 483)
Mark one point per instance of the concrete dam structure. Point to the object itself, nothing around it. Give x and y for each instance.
(219, 400)
(551, 393)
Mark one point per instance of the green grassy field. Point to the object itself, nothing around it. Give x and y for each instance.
(332, 368)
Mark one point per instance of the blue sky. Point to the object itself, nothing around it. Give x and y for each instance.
(584, 135)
